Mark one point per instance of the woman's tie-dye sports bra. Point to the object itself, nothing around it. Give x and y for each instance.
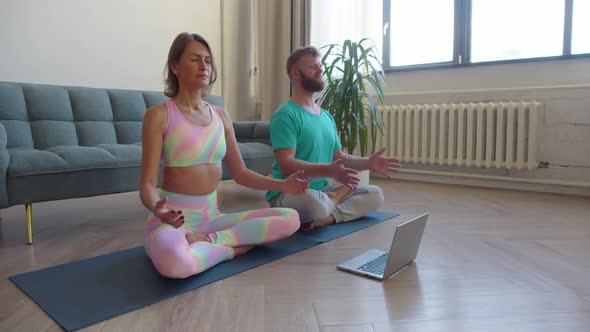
(186, 144)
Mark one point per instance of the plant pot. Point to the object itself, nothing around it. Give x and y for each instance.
(364, 177)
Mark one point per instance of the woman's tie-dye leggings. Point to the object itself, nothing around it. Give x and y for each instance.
(174, 257)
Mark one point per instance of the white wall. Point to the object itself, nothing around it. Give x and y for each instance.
(499, 76)
(562, 86)
(107, 43)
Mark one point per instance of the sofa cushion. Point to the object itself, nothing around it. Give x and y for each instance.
(18, 134)
(215, 100)
(50, 115)
(14, 117)
(93, 116)
(153, 98)
(127, 105)
(128, 110)
(13, 105)
(49, 133)
(24, 162)
(32, 161)
(254, 150)
(91, 133)
(48, 102)
(128, 132)
(90, 104)
(126, 154)
(257, 156)
(69, 158)
(253, 131)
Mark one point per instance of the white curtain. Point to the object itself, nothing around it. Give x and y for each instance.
(301, 23)
(257, 38)
(237, 59)
(273, 46)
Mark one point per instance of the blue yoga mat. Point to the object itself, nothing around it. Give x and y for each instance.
(88, 291)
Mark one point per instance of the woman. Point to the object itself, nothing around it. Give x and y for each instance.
(185, 233)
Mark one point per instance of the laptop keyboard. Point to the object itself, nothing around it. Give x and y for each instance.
(376, 266)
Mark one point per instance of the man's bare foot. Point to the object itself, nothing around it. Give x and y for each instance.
(242, 250)
(310, 226)
(338, 195)
(193, 237)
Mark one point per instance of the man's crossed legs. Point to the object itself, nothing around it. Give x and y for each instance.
(336, 204)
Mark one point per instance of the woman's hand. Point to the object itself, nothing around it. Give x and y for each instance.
(174, 218)
(294, 185)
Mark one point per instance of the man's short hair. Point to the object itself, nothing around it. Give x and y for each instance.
(298, 54)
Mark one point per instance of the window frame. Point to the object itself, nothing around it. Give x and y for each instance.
(462, 41)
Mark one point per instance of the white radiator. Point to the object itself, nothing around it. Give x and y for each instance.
(486, 134)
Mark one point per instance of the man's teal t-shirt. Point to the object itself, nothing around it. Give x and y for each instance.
(313, 137)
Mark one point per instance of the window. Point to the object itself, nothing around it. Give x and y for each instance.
(419, 36)
(434, 33)
(334, 21)
(516, 29)
(581, 27)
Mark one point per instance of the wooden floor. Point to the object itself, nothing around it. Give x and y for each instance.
(490, 260)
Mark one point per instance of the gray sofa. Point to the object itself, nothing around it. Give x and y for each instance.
(61, 142)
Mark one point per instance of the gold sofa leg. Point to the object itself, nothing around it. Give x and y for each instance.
(29, 216)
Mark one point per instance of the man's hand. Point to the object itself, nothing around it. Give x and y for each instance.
(344, 175)
(383, 165)
(294, 185)
(173, 218)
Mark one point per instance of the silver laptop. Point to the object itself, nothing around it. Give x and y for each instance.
(380, 264)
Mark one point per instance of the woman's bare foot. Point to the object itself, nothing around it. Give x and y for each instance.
(242, 250)
(193, 237)
(310, 226)
(338, 195)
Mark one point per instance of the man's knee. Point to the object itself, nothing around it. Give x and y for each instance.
(310, 205)
(374, 195)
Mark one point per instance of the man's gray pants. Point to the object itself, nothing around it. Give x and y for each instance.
(315, 205)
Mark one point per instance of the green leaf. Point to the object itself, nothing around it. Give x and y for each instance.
(350, 69)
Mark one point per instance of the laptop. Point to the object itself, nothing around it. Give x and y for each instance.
(380, 264)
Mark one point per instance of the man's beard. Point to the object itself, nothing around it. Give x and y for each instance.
(311, 84)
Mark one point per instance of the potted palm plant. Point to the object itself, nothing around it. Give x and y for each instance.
(353, 73)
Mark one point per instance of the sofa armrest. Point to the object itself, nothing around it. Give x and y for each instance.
(4, 161)
(252, 131)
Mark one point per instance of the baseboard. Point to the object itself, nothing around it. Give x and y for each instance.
(496, 182)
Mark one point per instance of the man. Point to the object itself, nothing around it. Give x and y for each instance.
(304, 138)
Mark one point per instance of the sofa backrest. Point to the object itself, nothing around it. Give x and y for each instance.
(40, 116)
